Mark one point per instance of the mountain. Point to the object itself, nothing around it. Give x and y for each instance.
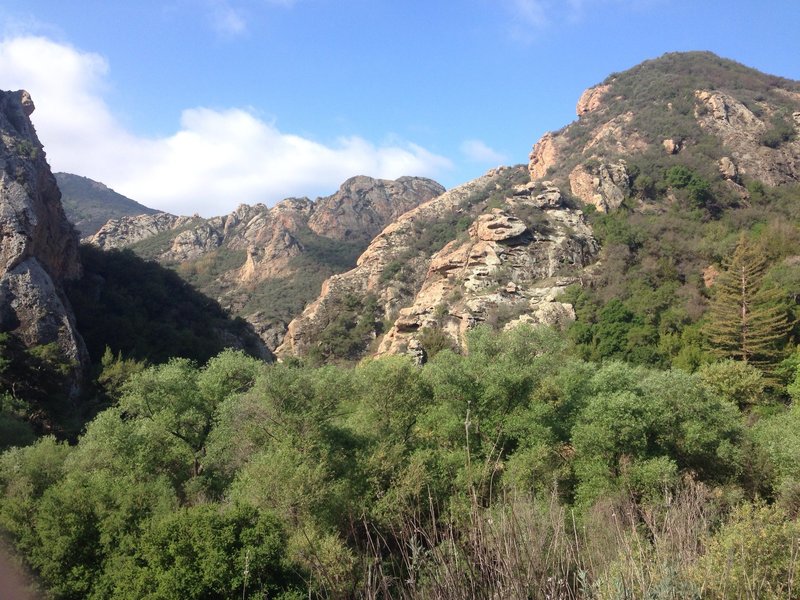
(617, 223)
(265, 264)
(41, 351)
(490, 250)
(727, 121)
(58, 298)
(90, 204)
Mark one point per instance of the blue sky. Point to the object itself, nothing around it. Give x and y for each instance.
(200, 105)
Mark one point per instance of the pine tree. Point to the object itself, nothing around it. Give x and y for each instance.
(747, 321)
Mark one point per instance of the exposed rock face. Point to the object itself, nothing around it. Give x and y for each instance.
(118, 233)
(502, 269)
(544, 155)
(391, 246)
(591, 99)
(260, 245)
(746, 115)
(741, 131)
(504, 274)
(364, 206)
(671, 146)
(616, 136)
(727, 168)
(38, 246)
(498, 226)
(604, 186)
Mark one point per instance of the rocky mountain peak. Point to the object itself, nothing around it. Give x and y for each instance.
(691, 108)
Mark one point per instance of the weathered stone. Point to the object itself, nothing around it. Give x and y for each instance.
(118, 233)
(727, 168)
(269, 239)
(481, 279)
(671, 146)
(591, 99)
(604, 186)
(741, 133)
(497, 227)
(363, 206)
(38, 247)
(544, 155)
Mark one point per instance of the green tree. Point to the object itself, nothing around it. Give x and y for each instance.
(747, 321)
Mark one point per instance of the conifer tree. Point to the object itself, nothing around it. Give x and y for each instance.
(747, 321)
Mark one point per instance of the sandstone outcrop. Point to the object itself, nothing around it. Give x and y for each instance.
(514, 260)
(604, 186)
(363, 206)
(122, 232)
(392, 247)
(671, 146)
(504, 274)
(591, 99)
(727, 168)
(545, 154)
(741, 132)
(754, 124)
(38, 246)
(256, 247)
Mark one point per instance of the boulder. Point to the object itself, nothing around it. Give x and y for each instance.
(591, 99)
(604, 186)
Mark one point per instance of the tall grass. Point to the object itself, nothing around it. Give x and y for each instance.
(626, 548)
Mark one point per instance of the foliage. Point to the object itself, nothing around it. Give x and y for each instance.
(513, 466)
(746, 320)
(35, 392)
(780, 130)
(147, 312)
(754, 555)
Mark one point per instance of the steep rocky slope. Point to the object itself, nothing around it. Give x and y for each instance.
(491, 250)
(38, 246)
(695, 109)
(669, 160)
(90, 204)
(264, 263)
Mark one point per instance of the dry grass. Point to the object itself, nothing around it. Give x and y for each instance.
(524, 548)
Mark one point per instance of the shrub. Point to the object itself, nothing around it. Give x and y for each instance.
(754, 555)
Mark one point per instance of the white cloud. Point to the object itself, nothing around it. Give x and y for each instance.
(530, 16)
(228, 17)
(215, 160)
(225, 18)
(478, 152)
(532, 12)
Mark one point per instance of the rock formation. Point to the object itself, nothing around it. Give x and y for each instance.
(544, 155)
(514, 260)
(38, 246)
(505, 273)
(124, 231)
(250, 251)
(604, 186)
(630, 116)
(591, 99)
(741, 132)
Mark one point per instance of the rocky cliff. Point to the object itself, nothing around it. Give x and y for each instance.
(495, 249)
(38, 246)
(265, 263)
(694, 109)
(668, 144)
